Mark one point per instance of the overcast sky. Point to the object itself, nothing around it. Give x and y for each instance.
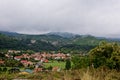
(95, 17)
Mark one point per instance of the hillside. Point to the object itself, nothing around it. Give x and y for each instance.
(65, 42)
(7, 42)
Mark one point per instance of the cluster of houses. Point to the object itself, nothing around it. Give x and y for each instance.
(40, 57)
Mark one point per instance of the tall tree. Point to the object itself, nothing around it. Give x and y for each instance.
(68, 64)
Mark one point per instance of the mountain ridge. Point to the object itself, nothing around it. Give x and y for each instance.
(50, 41)
(61, 34)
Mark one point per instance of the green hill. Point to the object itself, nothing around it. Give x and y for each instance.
(49, 42)
(7, 42)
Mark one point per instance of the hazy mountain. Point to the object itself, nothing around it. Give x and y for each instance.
(63, 34)
(9, 33)
(51, 41)
(7, 42)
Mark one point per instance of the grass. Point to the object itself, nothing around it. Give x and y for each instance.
(55, 63)
(81, 74)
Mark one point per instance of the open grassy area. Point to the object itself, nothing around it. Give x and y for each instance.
(55, 63)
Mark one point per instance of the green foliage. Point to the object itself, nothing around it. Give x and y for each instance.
(106, 54)
(80, 62)
(75, 44)
(24, 44)
(87, 40)
(76, 60)
(54, 64)
(50, 67)
(68, 64)
(74, 48)
(1, 70)
(13, 63)
(4, 69)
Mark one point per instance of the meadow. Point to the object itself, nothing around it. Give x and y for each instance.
(54, 64)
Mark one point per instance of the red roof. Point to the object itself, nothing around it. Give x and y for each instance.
(1, 62)
(23, 61)
(46, 61)
(18, 57)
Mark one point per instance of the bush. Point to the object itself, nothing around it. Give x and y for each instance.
(80, 62)
(0, 70)
(4, 69)
(68, 64)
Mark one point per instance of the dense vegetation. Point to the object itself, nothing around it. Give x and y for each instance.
(104, 55)
(7, 42)
(48, 42)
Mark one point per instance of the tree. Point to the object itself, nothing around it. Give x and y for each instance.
(75, 60)
(68, 64)
(0, 69)
(13, 63)
(106, 54)
(80, 62)
(4, 69)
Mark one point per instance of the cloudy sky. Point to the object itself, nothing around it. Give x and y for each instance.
(95, 17)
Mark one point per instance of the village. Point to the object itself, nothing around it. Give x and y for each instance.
(26, 63)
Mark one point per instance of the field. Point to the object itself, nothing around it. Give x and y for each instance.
(54, 64)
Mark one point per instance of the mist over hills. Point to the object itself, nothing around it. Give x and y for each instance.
(63, 34)
(60, 34)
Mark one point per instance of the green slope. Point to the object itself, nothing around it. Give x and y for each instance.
(48, 42)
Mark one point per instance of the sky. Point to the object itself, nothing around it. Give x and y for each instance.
(94, 17)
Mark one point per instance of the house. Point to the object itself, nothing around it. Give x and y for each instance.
(30, 63)
(2, 62)
(59, 56)
(46, 61)
(26, 56)
(7, 55)
(23, 61)
(37, 58)
(26, 63)
(18, 58)
(13, 51)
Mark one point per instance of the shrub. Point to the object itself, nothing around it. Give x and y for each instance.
(68, 64)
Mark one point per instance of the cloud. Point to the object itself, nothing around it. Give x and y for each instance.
(96, 17)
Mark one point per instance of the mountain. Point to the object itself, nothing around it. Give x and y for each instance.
(55, 41)
(7, 42)
(63, 34)
(9, 33)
